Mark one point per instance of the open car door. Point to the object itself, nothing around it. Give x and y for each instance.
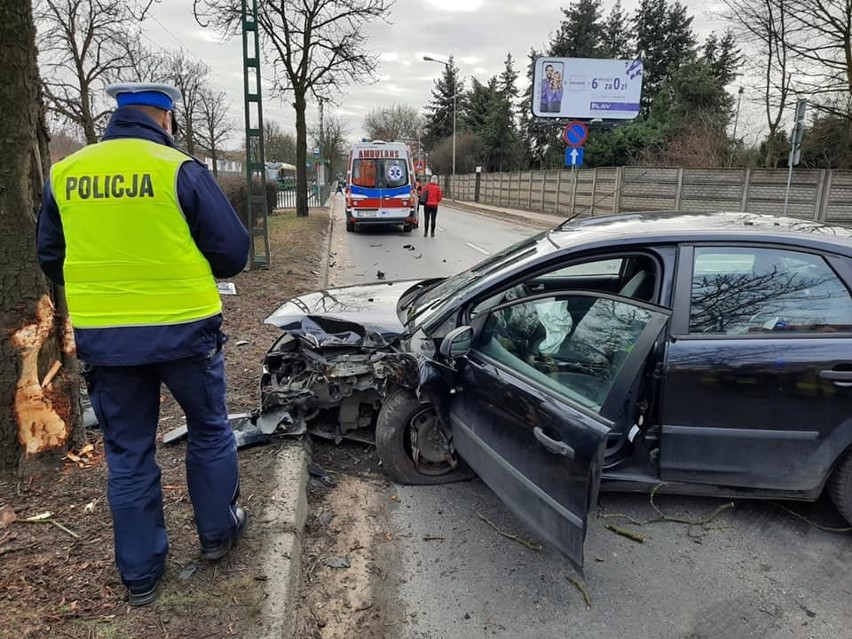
(547, 378)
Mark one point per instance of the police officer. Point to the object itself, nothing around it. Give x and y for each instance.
(136, 231)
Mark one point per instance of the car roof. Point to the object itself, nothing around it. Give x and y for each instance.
(674, 226)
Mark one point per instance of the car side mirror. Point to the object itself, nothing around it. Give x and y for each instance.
(457, 342)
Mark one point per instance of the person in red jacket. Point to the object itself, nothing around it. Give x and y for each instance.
(433, 196)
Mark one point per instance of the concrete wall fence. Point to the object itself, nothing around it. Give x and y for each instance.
(815, 194)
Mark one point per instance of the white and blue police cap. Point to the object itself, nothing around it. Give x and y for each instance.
(162, 96)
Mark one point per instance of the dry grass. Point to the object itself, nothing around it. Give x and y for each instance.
(52, 585)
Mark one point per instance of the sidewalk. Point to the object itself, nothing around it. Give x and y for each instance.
(528, 218)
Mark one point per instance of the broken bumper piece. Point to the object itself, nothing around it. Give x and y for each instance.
(250, 429)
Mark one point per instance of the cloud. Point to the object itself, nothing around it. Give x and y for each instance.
(455, 6)
(479, 33)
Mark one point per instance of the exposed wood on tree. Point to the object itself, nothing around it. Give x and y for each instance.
(40, 427)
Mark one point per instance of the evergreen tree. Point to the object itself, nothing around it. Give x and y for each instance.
(508, 81)
(478, 104)
(664, 42)
(694, 94)
(500, 131)
(616, 39)
(439, 113)
(680, 40)
(723, 55)
(828, 140)
(581, 32)
(537, 138)
(649, 27)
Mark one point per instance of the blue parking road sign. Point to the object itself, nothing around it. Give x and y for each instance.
(574, 157)
(575, 133)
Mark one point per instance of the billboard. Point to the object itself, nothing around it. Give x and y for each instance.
(587, 88)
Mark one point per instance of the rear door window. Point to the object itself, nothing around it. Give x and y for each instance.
(380, 173)
(748, 290)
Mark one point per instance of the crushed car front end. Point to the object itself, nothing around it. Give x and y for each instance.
(340, 353)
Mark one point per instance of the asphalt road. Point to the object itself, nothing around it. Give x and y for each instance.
(462, 239)
(754, 571)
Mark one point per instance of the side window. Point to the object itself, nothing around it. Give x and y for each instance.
(573, 345)
(598, 267)
(632, 276)
(743, 290)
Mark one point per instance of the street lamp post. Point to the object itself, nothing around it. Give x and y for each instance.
(736, 122)
(455, 92)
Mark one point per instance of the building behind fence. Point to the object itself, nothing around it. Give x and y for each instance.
(815, 194)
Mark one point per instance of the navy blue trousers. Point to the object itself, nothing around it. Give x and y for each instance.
(126, 401)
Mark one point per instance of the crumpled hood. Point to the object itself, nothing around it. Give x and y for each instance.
(372, 306)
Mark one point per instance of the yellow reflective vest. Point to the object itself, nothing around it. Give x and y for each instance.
(130, 259)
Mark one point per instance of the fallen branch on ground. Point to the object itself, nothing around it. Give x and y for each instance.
(6, 551)
(45, 518)
(812, 523)
(529, 544)
(639, 538)
(661, 516)
(579, 586)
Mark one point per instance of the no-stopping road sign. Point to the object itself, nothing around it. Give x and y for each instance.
(575, 133)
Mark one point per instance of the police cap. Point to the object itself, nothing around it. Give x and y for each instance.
(162, 96)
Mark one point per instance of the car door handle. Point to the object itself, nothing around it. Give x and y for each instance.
(555, 447)
(838, 378)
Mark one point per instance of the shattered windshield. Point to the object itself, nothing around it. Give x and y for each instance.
(455, 286)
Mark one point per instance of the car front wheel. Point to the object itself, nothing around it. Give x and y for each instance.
(413, 446)
(840, 487)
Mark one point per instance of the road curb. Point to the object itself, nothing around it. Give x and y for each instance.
(504, 215)
(283, 518)
(329, 233)
(281, 524)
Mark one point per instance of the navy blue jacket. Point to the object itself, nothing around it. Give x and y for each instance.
(215, 227)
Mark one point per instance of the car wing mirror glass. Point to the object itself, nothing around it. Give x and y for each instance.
(457, 342)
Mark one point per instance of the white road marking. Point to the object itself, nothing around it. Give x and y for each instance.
(442, 229)
(476, 248)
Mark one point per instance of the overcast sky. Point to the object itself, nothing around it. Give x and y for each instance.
(478, 33)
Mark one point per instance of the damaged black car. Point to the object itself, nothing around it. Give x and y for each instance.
(711, 352)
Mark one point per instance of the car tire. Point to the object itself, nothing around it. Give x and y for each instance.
(840, 487)
(406, 228)
(398, 414)
(350, 226)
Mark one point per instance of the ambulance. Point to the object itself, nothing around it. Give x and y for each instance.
(380, 186)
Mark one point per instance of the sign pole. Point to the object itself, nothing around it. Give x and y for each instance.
(795, 147)
(789, 180)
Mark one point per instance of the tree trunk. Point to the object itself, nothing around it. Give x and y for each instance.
(35, 417)
(301, 156)
(87, 121)
(770, 161)
(214, 157)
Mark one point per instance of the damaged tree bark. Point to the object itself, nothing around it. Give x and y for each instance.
(35, 417)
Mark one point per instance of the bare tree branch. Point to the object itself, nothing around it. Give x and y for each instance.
(317, 47)
(214, 125)
(82, 46)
